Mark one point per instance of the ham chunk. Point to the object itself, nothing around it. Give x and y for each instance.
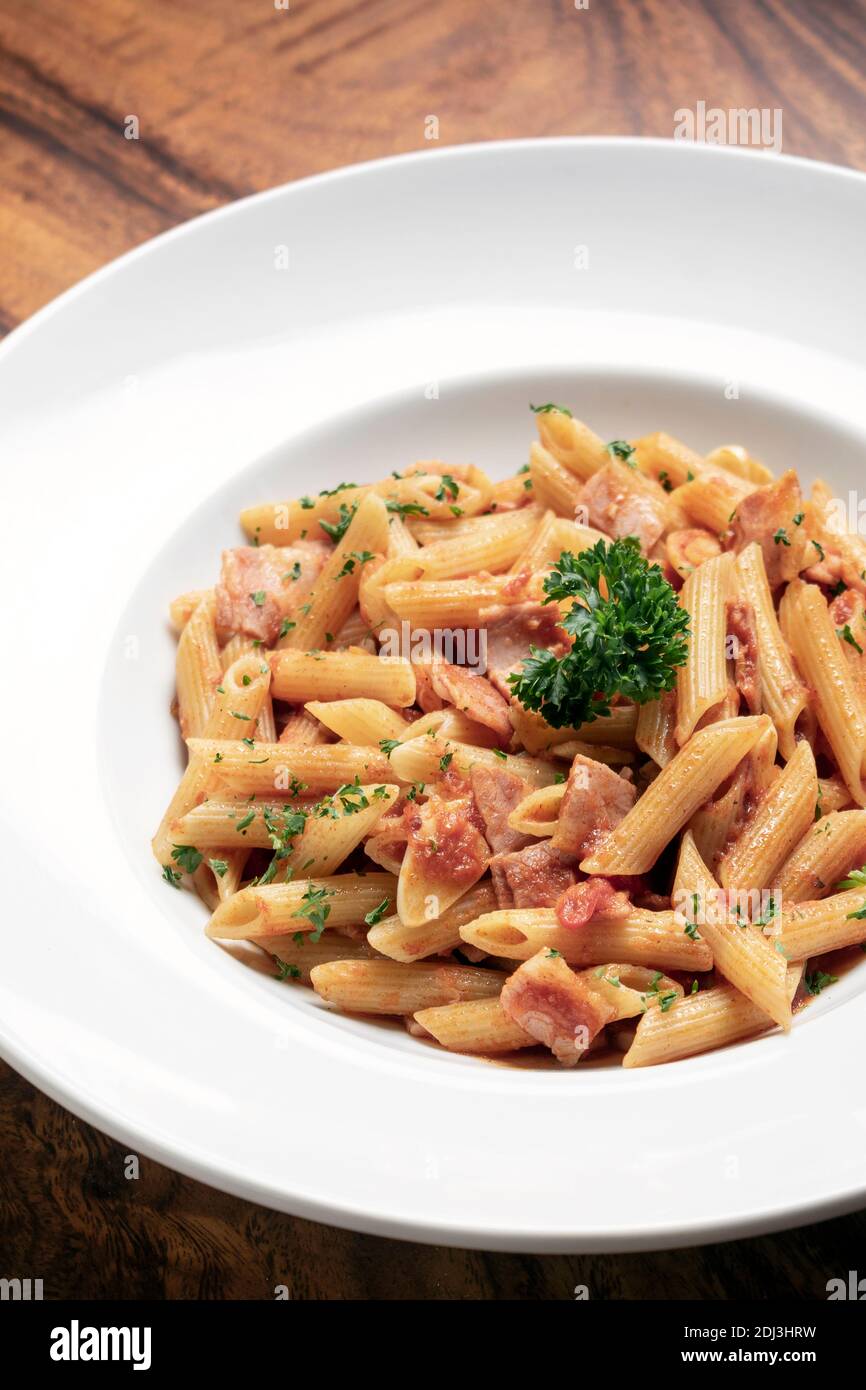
(556, 1006)
(741, 626)
(260, 585)
(767, 516)
(623, 502)
(445, 840)
(497, 791)
(473, 696)
(510, 631)
(595, 897)
(532, 877)
(425, 696)
(596, 800)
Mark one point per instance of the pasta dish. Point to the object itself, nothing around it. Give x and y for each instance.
(570, 761)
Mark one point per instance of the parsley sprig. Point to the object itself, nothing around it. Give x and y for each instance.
(630, 634)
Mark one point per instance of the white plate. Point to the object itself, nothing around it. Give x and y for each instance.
(723, 300)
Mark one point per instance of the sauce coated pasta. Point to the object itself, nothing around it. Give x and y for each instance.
(572, 761)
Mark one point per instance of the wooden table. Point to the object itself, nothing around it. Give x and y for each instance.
(233, 96)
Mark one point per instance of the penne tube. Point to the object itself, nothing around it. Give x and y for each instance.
(335, 592)
(478, 1026)
(312, 836)
(569, 535)
(536, 814)
(401, 541)
(656, 725)
(270, 768)
(337, 827)
(712, 498)
(237, 646)
(811, 636)
(741, 952)
(735, 459)
(302, 730)
(280, 523)
(239, 699)
(304, 676)
(359, 720)
(698, 1023)
(181, 609)
(571, 443)
(266, 728)
(491, 548)
(778, 823)
(553, 485)
(229, 871)
(439, 603)
(540, 549)
(689, 780)
(199, 669)
(668, 460)
(385, 987)
(429, 532)
(398, 941)
(811, 928)
(783, 694)
(341, 900)
(655, 939)
(828, 850)
(225, 823)
(204, 884)
(299, 957)
(190, 789)
(703, 681)
(457, 727)
(716, 822)
(421, 760)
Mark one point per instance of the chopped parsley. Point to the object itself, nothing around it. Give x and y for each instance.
(315, 909)
(186, 857)
(337, 529)
(377, 913)
(286, 972)
(447, 485)
(818, 980)
(621, 449)
(406, 508)
(354, 557)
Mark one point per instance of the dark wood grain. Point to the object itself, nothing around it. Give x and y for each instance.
(234, 96)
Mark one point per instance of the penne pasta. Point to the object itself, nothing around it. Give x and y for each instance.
(639, 938)
(304, 905)
(779, 821)
(199, 669)
(447, 744)
(811, 636)
(385, 987)
(783, 694)
(349, 675)
(708, 758)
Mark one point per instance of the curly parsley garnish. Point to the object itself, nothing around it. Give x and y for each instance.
(630, 635)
